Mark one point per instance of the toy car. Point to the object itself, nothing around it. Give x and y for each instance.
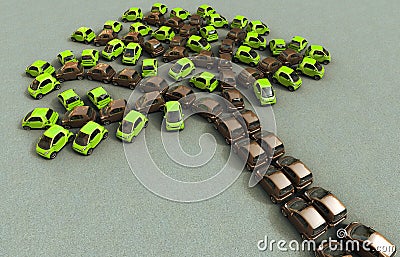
(230, 128)
(115, 26)
(239, 22)
(277, 46)
(78, 117)
(104, 37)
(227, 79)
(224, 62)
(90, 57)
(53, 140)
(70, 99)
(143, 29)
(175, 23)
(252, 122)
(182, 68)
(164, 34)
(306, 219)
(187, 30)
(246, 55)
(127, 78)
(197, 43)
(132, 14)
(149, 67)
(270, 143)
(153, 47)
(39, 118)
(101, 72)
(88, 137)
(132, 53)
(296, 171)
(248, 76)
(258, 27)
(329, 249)
(205, 10)
(264, 92)
(311, 68)
(234, 97)
(113, 112)
(131, 126)
(83, 34)
(150, 102)
(318, 53)
(226, 46)
(133, 37)
(252, 154)
(298, 43)
(205, 81)
(154, 19)
(113, 49)
(173, 116)
(99, 97)
(70, 71)
(208, 108)
(205, 59)
(42, 85)
(180, 13)
(181, 93)
(178, 41)
(39, 67)
(237, 35)
(196, 21)
(160, 8)
(290, 58)
(154, 84)
(218, 21)
(66, 56)
(268, 66)
(287, 77)
(254, 40)
(209, 33)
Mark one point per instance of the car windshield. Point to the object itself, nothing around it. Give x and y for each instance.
(286, 189)
(294, 43)
(107, 27)
(86, 57)
(318, 66)
(203, 42)
(126, 127)
(226, 47)
(217, 19)
(156, 45)
(325, 51)
(237, 132)
(34, 85)
(82, 138)
(255, 124)
(108, 48)
(280, 46)
(28, 115)
(45, 142)
(236, 21)
(298, 205)
(176, 68)
(141, 101)
(260, 38)
(212, 32)
(294, 76)
(361, 232)
(174, 116)
(102, 97)
(253, 53)
(72, 99)
(267, 92)
(68, 58)
(148, 67)
(129, 53)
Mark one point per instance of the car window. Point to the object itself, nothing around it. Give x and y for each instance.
(187, 65)
(49, 113)
(116, 110)
(123, 77)
(253, 39)
(96, 71)
(201, 80)
(309, 66)
(45, 82)
(89, 31)
(61, 98)
(290, 173)
(76, 117)
(109, 69)
(285, 76)
(45, 66)
(90, 94)
(58, 137)
(176, 94)
(78, 33)
(212, 81)
(94, 134)
(35, 119)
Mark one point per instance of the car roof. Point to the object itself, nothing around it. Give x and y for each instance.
(97, 91)
(115, 41)
(132, 45)
(39, 112)
(334, 205)
(233, 93)
(133, 115)
(379, 242)
(70, 64)
(88, 51)
(172, 106)
(118, 103)
(285, 69)
(279, 179)
(207, 101)
(80, 110)
(264, 82)
(68, 93)
(134, 8)
(165, 28)
(181, 89)
(66, 53)
(244, 48)
(278, 41)
(269, 60)
(308, 59)
(43, 76)
(110, 22)
(53, 131)
(83, 29)
(249, 116)
(128, 72)
(300, 169)
(101, 66)
(252, 33)
(312, 216)
(256, 22)
(206, 75)
(153, 41)
(270, 138)
(137, 24)
(298, 38)
(209, 27)
(38, 63)
(184, 60)
(195, 38)
(253, 148)
(149, 61)
(239, 17)
(89, 127)
(106, 31)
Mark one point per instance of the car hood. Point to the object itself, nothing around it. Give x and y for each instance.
(380, 243)
(334, 205)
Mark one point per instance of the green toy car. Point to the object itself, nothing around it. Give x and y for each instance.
(246, 55)
(132, 14)
(115, 26)
(180, 13)
(160, 8)
(239, 22)
(88, 137)
(258, 26)
(287, 77)
(164, 34)
(42, 85)
(217, 20)
(197, 44)
(209, 33)
(66, 56)
(173, 116)
(149, 68)
(53, 140)
(83, 34)
(143, 29)
(90, 57)
(182, 68)
(40, 118)
(277, 46)
(113, 49)
(255, 40)
(99, 97)
(205, 10)
(264, 91)
(205, 81)
(70, 99)
(298, 43)
(318, 53)
(131, 126)
(132, 53)
(39, 67)
(311, 68)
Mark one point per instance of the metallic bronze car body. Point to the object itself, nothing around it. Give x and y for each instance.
(150, 102)
(248, 76)
(237, 35)
(175, 23)
(104, 36)
(153, 47)
(205, 59)
(268, 66)
(230, 128)
(101, 72)
(252, 153)
(227, 79)
(234, 97)
(271, 143)
(181, 93)
(154, 19)
(127, 78)
(178, 41)
(300, 175)
(187, 30)
(78, 117)
(196, 20)
(70, 71)
(133, 37)
(225, 62)
(290, 57)
(113, 112)
(226, 46)
(155, 83)
(175, 53)
(208, 108)
(252, 121)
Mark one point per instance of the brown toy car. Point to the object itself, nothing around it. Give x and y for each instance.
(133, 37)
(226, 46)
(225, 62)
(296, 171)
(252, 153)
(268, 66)
(332, 249)
(70, 71)
(113, 112)
(276, 184)
(177, 41)
(187, 30)
(307, 220)
(237, 35)
(234, 97)
(175, 53)
(105, 36)
(196, 20)
(248, 76)
(204, 60)
(208, 108)
(227, 79)
(271, 143)
(181, 93)
(127, 78)
(78, 117)
(154, 18)
(290, 57)
(155, 83)
(175, 23)
(153, 47)
(230, 128)
(150, 102)
(251, 120)
(101, 72)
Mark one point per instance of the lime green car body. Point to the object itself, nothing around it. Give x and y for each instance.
(217, 20)
(182, 68)
(149, 68)
(52, 141)
(131, 126)
(83, 34)
(115, 26)
(287, 77)
(319, 53)
(160, 8)
(113, 49)
(39, 67)
(99, 97)
(239, 22)
(66, 56)
(180, 13)
(70, 99)
(209, 33)
(143, 29)
(42, 85)
(298, 43)
(277, 46)
(197, 44)
(88, 137)
(258, 26)
(173, 116)
(264, 91)
(164, 34)
(90, 57)
(132, 53)
(311, 68)
(40, 118)
(205, 10)
(132, 14)
(205, 81)
(255, 40)
(246, 55)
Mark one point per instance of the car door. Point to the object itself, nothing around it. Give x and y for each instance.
(185, 70)
(245, 57)
(254, 42)
(309, 69)
(68, 74)
(257, 90)
(79, 36)
(137, 126)
(122, 80)
(46, 86)
(117, 49)
(95, 138)
(284, 79)
(76, 121)
(96, 74)
(59, 141)
(116, 114)
(35, 122)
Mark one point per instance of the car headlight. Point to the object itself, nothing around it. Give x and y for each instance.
(46, 152)
(83, 149)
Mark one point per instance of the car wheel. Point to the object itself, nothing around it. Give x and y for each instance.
(79, 77)
(71, 139)
(73, 39)
(114, 83)
(89, 77)
(209, 66)
(235, 59)
(57, 87)
(86, 42)
(325, 62)
(273, 200)
(26, 128)
(106, 122)
(53, 155)
(274, 80)
(39, 96)
(105, 135)
(165, 60)
(225, 26)
(248, 167)
(283, 213)
(112, 58)
(67, 126)
(90, 151)
(132, 139)
(146, 124)
(105, 81)
(132, 87)
(167, 41)
(61, 80)
(252, 64)
(316, 77)
(227, 141)
(124, 20)
(261, 48)
(291, 89)
(97, 44)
